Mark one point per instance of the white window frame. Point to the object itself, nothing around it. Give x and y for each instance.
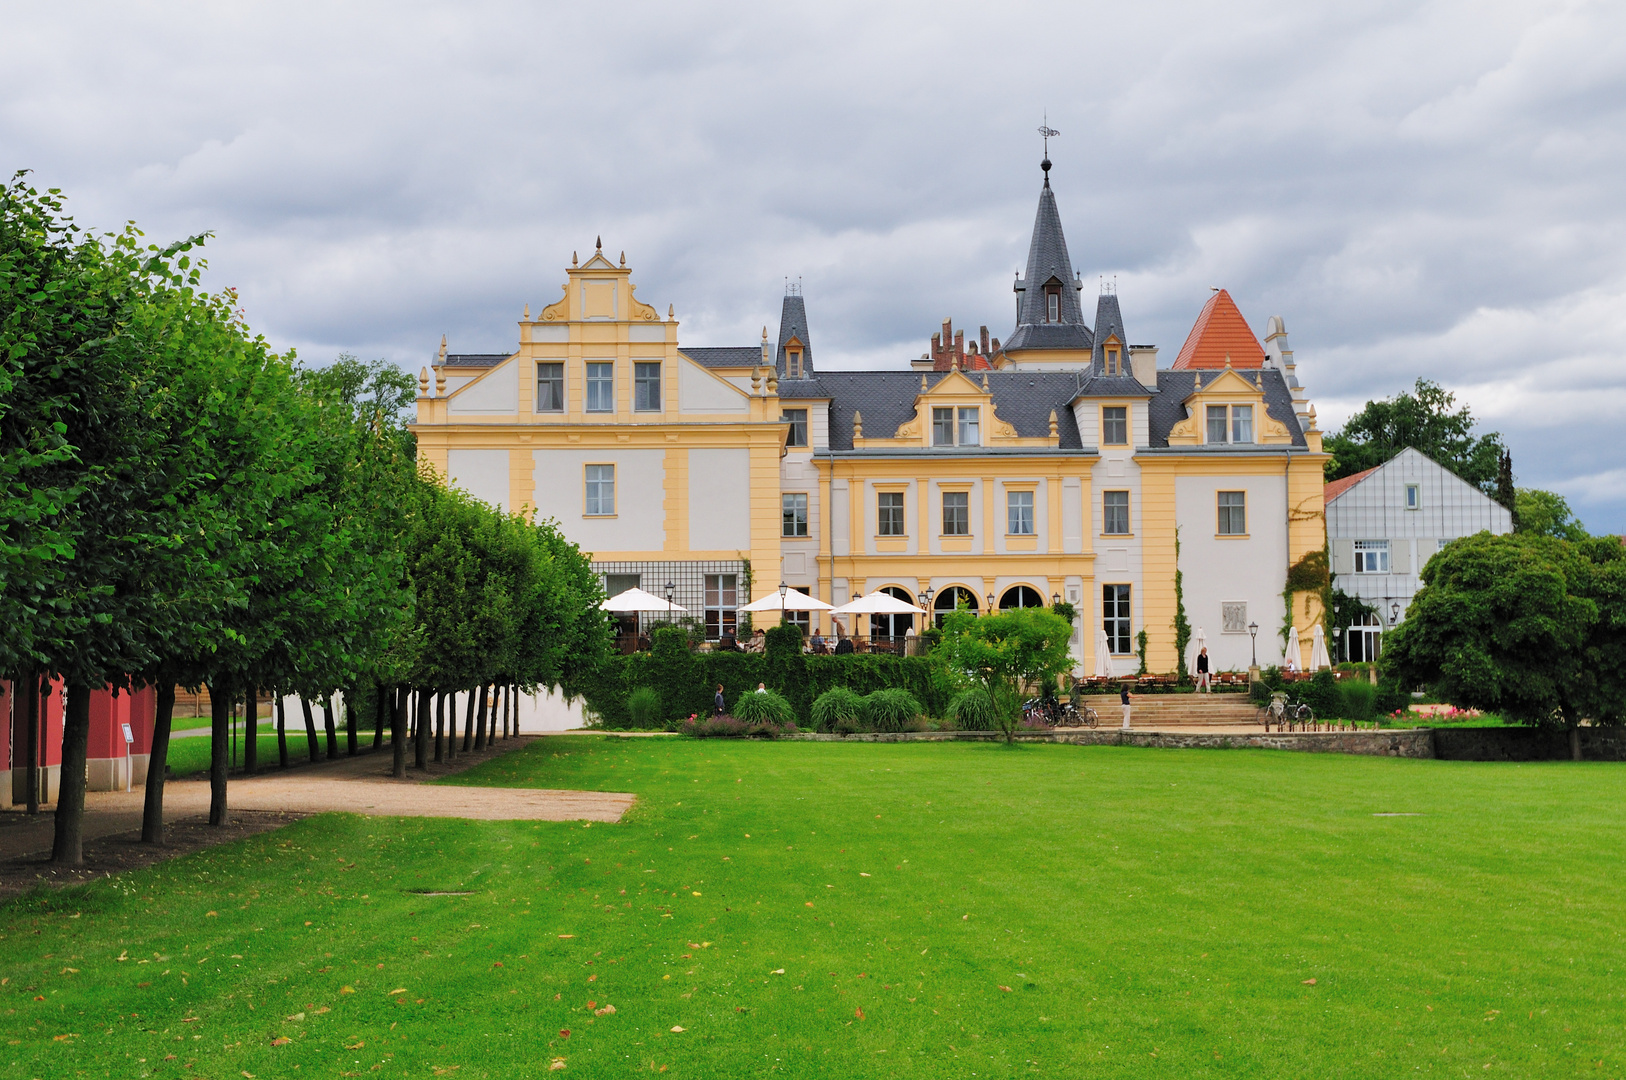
(1117, 618)
(1414, 497)
(797, 419)
(884, 514)
(793, 515)
(553, 366)
(1120, 421)
(942, 425)
(1106, 515)
(598, 386)
(962, 516)
(1371, 556)
(968, 426)
(646, 374)
(1242, 424)
(1228, 516)
(599, 490)
(1019, 513)
(1214, 417)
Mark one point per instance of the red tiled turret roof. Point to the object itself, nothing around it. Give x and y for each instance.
(1220, 331)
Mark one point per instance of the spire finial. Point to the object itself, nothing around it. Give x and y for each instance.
(623, 258)
(527, 315)
(572, 259)
(671, 312)
(598, 243)
(1047, 132)
(423, 382)
(443, 348)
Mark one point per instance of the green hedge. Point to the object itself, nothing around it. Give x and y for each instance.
(688, 681)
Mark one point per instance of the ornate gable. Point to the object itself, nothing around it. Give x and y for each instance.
(1229, 388)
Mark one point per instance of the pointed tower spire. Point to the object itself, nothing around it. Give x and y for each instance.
(793, 335)
(1048, 312)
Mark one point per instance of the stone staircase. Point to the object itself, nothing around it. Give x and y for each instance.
(1160, 711)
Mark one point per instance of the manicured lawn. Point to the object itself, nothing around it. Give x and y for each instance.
(947, 910)
(190, 756)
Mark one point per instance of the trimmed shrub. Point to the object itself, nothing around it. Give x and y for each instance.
(892, 709)
(644, 707)
(764, 707)
(1391, 698)
(973, 710)
(1359, 699)
(1321, 694)
(835, 705)
(785, 639)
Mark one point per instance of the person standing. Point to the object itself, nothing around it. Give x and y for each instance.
(717, 702)
(1202, 670)
(1123, 696)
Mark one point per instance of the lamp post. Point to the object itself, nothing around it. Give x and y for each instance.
(1394, 613)
(783, 590)
(1253, 669)
(990, 603)
(1055, 599)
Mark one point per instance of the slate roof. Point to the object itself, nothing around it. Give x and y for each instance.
(724, 356)
(1047, 260)
(1175, 386)
(476, 359)
(1022, 399)
(1220, 331)
(793, 323)
(1108, 321)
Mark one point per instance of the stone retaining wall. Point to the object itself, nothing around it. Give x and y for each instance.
(1413, 743)
(1527, 744)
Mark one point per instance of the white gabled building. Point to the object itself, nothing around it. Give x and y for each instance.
(1384, 524)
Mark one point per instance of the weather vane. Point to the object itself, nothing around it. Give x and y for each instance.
(1047, 131)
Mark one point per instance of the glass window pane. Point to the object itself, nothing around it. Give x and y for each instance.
(600, 489)
(550, 387)
(1019, 513)
(600, 388)
(794, 514)
(1233, 513)
(968, 427)
(889, 513)
(646, 387)
(1115, 512)
(1216, 423)
(942, 427)
(1242, 423)
(797, 419)
(956, 513)
(1115, 619)
(1115, 425)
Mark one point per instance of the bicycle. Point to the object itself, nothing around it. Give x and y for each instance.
(1284, 712)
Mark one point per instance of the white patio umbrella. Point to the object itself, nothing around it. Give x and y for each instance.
(1318, 650)
(1293, 659)
(638, 600)
(1103, 656)
(791, 601)
(877, 603)
(1199, 642)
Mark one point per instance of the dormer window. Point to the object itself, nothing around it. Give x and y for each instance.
(1052, 301)
(956, 427)
(1241, 426)
(1113, 361)
(793, 363)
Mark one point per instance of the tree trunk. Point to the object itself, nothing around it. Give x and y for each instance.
(220, 718)
(33, 711)
(398, 731)
(468, 721)
(152, 812)
(310, 730)
(440, 727)
(350, 724)
(481, 714)
(378, 715)
(282, 732)
(68, 847)
(451, 727)
(420, 739)
(331, 730)
(251, 732)
(1575, 744)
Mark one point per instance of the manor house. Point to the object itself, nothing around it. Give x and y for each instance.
(1061, 464)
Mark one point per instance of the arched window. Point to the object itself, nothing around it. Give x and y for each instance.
(892, 626)
(950, 599)
(1021, 596)
(1363, 641)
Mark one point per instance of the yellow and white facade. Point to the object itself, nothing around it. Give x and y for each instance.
(1061, 472)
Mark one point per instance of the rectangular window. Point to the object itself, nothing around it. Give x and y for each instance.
(942, 427)
(795, 515)
(889, 513)
(1413, 497)
(1242, 423)
(722, 598)
(956, 513)
(802, 619)
(1371, 556)
(1019, 513)
(793, 364)
(600, 490)
(646, 387)
(550, 388)
(1115, 512)
(797, 419)
(968, 426)
(1052, 299)
(601, 388)
(1216, 423)
(1233, 513)
(1115, 618)
(1234, 617)
(1115, 425)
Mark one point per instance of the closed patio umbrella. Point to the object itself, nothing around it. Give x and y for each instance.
(1318, 651)
(1199, 642)
(1293, 658)
(1103, 656)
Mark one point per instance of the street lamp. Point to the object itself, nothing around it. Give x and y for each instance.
(1055, 599)
(1253, 633)
(671, 591)
(1394, 613)
(990, 603)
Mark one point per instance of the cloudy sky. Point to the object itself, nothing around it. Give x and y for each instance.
(1418, 189)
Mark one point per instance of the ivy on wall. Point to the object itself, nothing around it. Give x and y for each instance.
(1182, 626)
(1311, 574)
(1140, 650)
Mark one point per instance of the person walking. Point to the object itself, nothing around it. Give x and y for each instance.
(1123, 696)
(1203, 683)
(717, 702)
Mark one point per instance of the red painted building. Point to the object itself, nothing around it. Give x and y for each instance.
(111, 764)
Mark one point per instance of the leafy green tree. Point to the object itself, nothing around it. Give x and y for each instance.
(1546, 513)
(1529, 626)
(1006, 653)
(1425, 420)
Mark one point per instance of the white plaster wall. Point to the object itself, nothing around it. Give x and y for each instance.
(699, 391)
(840, 518)
(1117, 558)
(497, 391)
(720, 499)
(1216, 570)
(481, 473)
(639, 523)
(797, 474)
